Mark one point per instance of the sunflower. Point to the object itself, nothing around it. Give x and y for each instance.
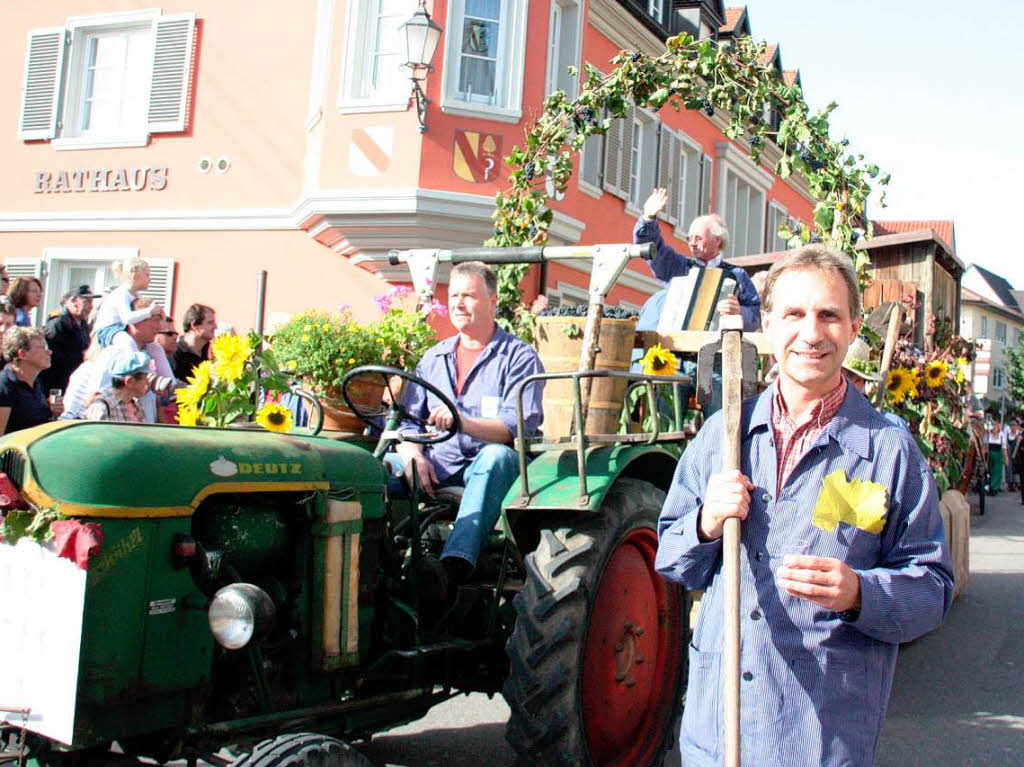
(660, 361)
(230, 353)
(900, 383)
(198, 385)
(188, 415)
(273, 417)
(935, 373)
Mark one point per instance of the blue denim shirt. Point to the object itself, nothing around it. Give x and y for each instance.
(668, 264)
(489, 392)
(815, 684)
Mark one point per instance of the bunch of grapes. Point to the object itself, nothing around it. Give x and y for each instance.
(610, 312)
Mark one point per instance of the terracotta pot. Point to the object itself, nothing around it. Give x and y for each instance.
(337, 415)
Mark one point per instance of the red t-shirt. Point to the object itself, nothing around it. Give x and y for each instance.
(464, 361)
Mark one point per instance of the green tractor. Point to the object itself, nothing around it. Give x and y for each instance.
(261, 591)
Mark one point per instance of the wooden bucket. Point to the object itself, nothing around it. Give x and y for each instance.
(560, 353)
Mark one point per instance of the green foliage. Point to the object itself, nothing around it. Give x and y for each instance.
(691, 74)
(323, 346)
(31, 523)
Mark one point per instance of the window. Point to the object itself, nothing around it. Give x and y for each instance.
(742, 200)
(563, 46)
(631, 156)
(744, 215)
(707, 168)
(656, 8)
(998, 378)
(566, 294)
(1016, 337)
(984, 327)
(484, 58)
(107, 80)
(777, 217)
(374, 54)
(1001, 331)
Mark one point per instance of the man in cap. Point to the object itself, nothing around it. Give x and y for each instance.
(67, 335)
(129, 382)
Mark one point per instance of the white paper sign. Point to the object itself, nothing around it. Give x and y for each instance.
(41, 605)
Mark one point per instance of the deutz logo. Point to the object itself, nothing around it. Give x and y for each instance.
(270, 468)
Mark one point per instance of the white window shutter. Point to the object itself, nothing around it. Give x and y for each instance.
(612, 153)
(25, 267)
(706, 168)
(172, 70)
(40, 98)
(161, 282)
(626, 154)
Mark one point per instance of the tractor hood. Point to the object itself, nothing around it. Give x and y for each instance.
(86, 468)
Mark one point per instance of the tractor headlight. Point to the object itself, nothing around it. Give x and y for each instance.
(240, 613)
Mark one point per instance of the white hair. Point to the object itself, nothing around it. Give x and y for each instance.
(717, 227)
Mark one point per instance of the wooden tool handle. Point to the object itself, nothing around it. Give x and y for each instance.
(732, 404)
(891, 336)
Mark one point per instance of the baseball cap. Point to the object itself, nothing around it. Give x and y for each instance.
(82, 291)
(129, 364)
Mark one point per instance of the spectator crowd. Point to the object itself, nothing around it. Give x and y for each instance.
(104, 358)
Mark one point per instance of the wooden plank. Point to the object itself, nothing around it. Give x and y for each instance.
(688, 341)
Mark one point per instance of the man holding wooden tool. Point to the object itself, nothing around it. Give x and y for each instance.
(842, 553)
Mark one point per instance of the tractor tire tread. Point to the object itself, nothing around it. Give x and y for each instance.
(302, 749)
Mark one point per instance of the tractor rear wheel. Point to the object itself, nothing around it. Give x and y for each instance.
(597, 656)
(303, 749)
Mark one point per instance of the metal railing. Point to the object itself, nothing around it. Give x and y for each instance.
(579, 440)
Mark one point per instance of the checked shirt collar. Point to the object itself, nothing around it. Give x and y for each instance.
(791, 438)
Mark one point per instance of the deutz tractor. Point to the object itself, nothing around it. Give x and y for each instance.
(262, 592)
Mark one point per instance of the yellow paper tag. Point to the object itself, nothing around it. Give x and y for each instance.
(856, 502)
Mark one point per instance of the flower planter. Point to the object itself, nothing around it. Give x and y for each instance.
(337, 415)
(561, 353)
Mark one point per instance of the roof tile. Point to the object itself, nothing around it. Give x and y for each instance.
(732, 16)
(944, 229)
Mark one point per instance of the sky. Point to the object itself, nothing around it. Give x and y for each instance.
(932, 93)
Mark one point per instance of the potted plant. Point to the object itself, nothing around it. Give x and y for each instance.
(227, 389)
(320, 347)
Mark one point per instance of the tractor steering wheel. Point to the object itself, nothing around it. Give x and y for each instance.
(368, 415)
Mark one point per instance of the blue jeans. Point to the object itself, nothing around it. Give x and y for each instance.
(486, 480)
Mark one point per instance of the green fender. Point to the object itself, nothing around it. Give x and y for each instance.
(554, 476)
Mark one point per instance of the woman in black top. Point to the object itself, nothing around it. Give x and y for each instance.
(22, 398)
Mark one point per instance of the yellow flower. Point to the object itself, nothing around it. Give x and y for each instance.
(292, 364)
(273, 417)
(351, 360)
(325, 326)
(307, 327)
(198, 385)
(230, 353)
(187, 416)
(305, 338)
(660, 361)
(935, 373)
(962, 367)
(900, 383)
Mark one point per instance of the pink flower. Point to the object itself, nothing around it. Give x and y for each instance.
(399, 290)
(436, 307)
(383, 303)
(540, 303)
(344, 308)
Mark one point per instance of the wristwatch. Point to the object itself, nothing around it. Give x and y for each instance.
(849, 615)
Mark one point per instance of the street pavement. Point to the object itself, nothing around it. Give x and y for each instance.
(958, 696)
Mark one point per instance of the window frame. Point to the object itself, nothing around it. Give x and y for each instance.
(357, 67)
(555, 62)
(509, 67)
(983, 330)
(732, 161)
(169, 59)
(645, 132)
(80, 28)
(1001, 336)
(56, 258)
(692, 154)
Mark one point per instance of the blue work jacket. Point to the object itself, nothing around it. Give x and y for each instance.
(489, 392)
(669, 263)
(814, 684)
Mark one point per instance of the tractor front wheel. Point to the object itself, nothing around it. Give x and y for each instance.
(597, 657)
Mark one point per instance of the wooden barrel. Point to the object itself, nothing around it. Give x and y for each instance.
(560, 351)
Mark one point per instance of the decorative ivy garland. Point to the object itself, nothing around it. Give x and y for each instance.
(691, 74)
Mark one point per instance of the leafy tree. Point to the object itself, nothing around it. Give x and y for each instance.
(1015, 372)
